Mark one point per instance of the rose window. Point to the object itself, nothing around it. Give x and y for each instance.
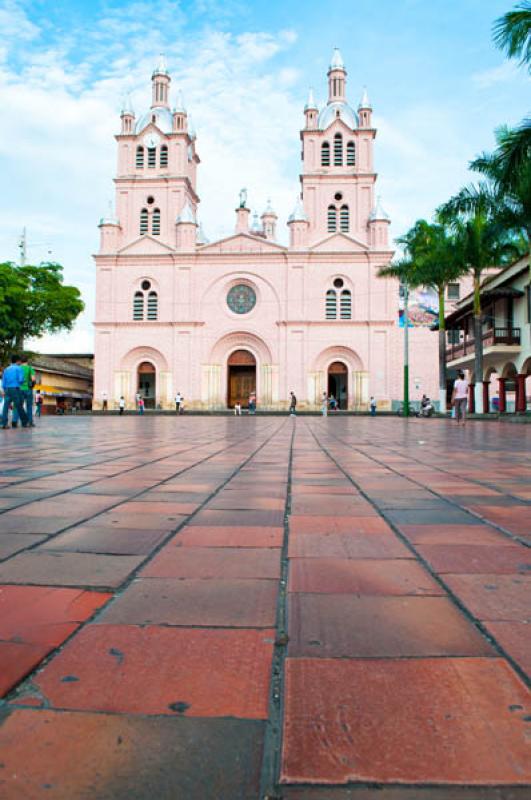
(241, 299)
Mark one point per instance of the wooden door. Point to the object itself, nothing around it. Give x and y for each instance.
(242, 381)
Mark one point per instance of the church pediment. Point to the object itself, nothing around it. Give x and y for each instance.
(242, 243)
(146, 246)
(339, 242)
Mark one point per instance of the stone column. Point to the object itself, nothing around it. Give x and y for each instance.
(164, 390)
(364, 390)
(503, 396)
(122, 387)
(266, 388)
(211, 385)
(471, 398)
(521, 400)
(486, 399)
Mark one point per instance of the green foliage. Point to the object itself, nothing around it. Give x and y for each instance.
(512, 32)
(34, 301)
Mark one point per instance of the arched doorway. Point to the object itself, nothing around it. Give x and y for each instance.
(147, 383)
(241, 378)
(338, 383)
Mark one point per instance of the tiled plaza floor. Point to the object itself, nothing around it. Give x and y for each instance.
(218, 608)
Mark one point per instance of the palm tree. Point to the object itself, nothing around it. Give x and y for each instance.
(512, 32)
(435, 260)
(484, 242)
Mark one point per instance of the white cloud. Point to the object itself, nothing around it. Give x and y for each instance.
(504, 73)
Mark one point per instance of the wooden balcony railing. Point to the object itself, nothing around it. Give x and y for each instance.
(507, 336)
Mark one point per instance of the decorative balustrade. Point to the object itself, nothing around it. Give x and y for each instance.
(493, 336)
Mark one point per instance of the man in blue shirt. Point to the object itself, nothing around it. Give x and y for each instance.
(11, 382)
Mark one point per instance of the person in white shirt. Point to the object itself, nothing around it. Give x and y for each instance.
(460, 397)
(178, 401)
(121, 405)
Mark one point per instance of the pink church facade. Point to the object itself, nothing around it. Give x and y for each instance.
(217, 321)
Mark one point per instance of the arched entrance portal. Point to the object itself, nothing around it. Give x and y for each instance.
(241, 378)
(147, 383)
(338, 383)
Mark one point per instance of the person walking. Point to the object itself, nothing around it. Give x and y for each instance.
(26, 388)
(324, 405)
(460, 397)
(140, 405)
(237, 409)
(178, 401)
(12, 380)
(39, 400)
(104, 401)
(372, 405)
(121, 404)
(292, 404)
(252, 404)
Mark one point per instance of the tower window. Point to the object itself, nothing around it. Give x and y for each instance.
(152, 306)
(325, 154)
(143, 221)
(345, 304)
(152, 156)
(344, 219)
(332, 218)
(139, 157)
(163, 156)
(453, 291)
(331, 304)
(351, 154)
(138, 306)
(155, 222)
(338, 150)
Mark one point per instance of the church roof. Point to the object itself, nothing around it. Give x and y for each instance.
(187, 214)
(298, 214)
(337, 59)
(337, 109)
(163, 119)
(378, 212)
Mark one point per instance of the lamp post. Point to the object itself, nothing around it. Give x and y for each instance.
(406, 351)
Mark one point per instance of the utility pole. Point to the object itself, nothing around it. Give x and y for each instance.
(22, 247)
(406, 350)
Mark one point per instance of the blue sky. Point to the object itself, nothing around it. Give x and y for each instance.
(438, 86)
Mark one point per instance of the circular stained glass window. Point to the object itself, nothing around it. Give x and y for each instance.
(241, 299)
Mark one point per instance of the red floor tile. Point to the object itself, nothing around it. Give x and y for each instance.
(226, 536)
(493, 597)
(238, 518)
(404, 721)
(462, 558)
(70, 756)
(149, 670)
(367, 577)
(347, 545)
(346, 626)
(17, 659)
(208, 562)
(325, 525)
(455, 534)
(206, 603)
(68, 569)
(117, 541)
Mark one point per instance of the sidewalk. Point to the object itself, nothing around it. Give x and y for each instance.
(229, 609)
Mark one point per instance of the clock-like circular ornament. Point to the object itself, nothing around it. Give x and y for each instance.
(241, 299)
(151, 140)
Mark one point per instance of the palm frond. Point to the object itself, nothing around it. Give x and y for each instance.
(512, 32)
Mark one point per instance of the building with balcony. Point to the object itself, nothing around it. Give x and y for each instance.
(506, 336)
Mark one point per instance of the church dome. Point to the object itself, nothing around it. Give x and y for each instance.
(329, 114)
(163, 119)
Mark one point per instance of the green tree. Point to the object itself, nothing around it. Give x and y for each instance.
(435, 259)
(484, 242)
(34, 301)
(512, 32)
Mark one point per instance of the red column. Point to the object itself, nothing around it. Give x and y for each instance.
(520, 404)
(471, 399)
(486, 400)
(503, 402)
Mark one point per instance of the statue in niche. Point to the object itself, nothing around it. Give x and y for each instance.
(243, 198)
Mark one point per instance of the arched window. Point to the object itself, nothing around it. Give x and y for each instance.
(338, 150)
(345, 304)
(325, 154)
(331, 304)
(332, 218)
(351, 154)
(139, 157)
(143, 221)
(152, 306)
(155, 222)
(152, 156)
(344, 219)
(164, 156)
(138, 305)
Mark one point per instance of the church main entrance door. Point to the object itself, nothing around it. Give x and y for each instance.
(241, 378)
(338, 383)
(147, 383)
